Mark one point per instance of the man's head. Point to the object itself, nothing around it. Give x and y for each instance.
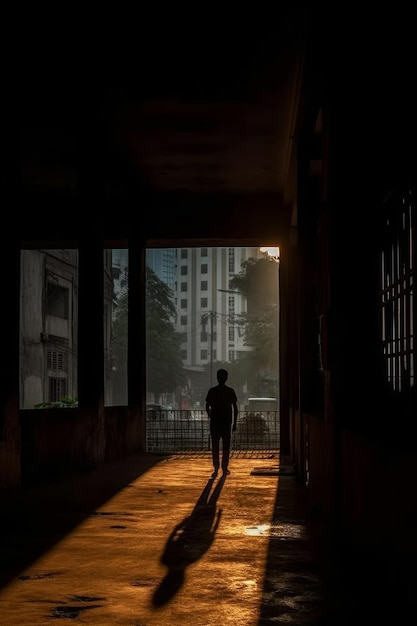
(222, 376)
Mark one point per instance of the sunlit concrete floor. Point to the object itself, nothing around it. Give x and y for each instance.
(154, 541)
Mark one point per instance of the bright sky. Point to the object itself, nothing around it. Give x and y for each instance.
(271, 251)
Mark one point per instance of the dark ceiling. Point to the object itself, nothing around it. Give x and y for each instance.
(182, 101)
(178, 103)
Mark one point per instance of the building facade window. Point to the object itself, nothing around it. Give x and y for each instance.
(204, 268)
(57, 389)
(57, 300)
(48, 367)
(231, 260)
(184, 287)
(184, 270)
(184, 303)
(184, 320)
(57, 361)
(184, 254)
(204, 285)
(204, 355)
(204, 303)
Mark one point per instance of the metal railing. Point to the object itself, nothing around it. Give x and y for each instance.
(176, 431)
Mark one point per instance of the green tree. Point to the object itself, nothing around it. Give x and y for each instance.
(164, 370)
(261, 335)
(258, 281)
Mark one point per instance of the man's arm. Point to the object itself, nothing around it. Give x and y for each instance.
(235, 414)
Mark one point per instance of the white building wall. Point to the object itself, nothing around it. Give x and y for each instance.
(203, 311)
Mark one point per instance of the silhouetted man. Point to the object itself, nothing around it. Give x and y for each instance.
(221, 407)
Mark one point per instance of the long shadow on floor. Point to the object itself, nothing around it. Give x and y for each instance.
(188, 542)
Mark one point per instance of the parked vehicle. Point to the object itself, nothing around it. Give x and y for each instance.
(261, 404)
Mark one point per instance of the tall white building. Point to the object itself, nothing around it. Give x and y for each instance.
(207, 306)
(207, 310)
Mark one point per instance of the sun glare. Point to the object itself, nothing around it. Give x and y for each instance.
(271, 251)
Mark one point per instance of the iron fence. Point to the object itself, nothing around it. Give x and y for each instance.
(176, 431)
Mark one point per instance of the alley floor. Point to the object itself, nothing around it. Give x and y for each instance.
(155, 541)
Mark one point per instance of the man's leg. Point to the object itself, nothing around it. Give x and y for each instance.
(215, 449)
(227, 435)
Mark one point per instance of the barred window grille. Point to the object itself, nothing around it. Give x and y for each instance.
(57, 361)
(231, 260)
(397, 292)
(57, 389)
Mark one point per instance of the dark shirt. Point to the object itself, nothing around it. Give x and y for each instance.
(221, 402)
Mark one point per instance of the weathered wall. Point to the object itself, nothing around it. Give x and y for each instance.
(60, 442)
